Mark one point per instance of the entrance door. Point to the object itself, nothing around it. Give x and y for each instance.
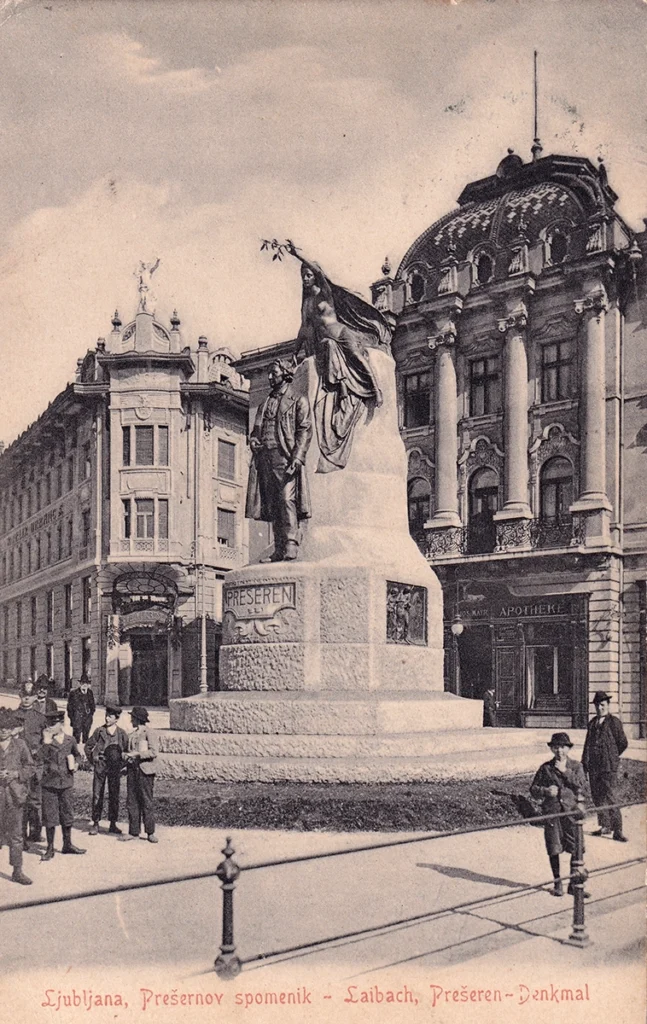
(508, 682)
(475, 658)
(149, 677)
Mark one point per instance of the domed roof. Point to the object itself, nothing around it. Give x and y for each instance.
(520, 203)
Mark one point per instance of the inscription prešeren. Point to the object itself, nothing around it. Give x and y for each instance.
(258, 602)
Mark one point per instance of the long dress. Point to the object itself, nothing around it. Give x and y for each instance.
(338, 333)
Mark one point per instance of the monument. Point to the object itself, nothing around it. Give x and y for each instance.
(331, 666)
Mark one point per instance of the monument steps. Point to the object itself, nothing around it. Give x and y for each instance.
(406, 744)
(486, 753)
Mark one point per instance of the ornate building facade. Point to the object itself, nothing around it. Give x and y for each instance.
(121, 510)
(521, 354)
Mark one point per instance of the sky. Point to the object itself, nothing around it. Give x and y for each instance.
(190, 130)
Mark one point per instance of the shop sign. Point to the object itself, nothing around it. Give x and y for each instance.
(154, 618)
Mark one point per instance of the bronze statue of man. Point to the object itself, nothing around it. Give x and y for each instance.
(277, 490)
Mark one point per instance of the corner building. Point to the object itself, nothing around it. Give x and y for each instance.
(521, 353)
(121, 510)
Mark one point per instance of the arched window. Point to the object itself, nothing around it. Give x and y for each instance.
(483, 503)
(558, 247)
(555, 488)
(417, 286)
(484, 268)
(419, 495)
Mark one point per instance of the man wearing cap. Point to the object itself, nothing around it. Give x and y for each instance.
(59, 756)
(16, 766)
(605, 742)
(104, 751)
(34, 722)
(557, 785)
(80, 710)
(140, 760)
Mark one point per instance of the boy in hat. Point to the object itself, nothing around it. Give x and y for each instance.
(557, 786)
(140, 760)
(16, 766)
(605, 742)
(104, 751)
(80, 710)
(59, 756)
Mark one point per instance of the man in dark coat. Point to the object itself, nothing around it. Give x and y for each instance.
(16, 766)
(80, 710)
(59, 756)
(277, 490)
(489, 707)
(557, 784)
(605, 742)
(104, 750)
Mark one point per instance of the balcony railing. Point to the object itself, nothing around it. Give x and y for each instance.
(519, 534)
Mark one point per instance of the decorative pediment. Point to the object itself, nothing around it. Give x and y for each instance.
(482, 451)
(554, 326)
(420, 465)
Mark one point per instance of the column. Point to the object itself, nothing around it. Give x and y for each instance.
(593, 495)
(593, 504)
(446, 418)
(515, 415)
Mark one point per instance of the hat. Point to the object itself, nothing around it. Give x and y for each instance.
(85, 680)
(7, 718)
(141, 714)
(601, 696)
(55, 715)
(559, 739)
(112, 709)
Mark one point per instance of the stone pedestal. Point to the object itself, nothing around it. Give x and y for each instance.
(346, 642)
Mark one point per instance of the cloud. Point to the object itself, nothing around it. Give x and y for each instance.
(127, 58)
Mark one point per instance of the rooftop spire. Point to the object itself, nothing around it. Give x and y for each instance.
(537, 147)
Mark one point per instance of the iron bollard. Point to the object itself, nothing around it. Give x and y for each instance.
(227, 965)
(579, 874)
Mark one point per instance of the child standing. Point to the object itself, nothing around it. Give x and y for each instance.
(59, 756)
(16, 767)
(140, 761)
(557, 786)
(104, 750)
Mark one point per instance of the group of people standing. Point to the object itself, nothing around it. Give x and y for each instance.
(38, 761)
(560, 782)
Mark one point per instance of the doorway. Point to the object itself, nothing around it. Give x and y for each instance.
(475, 661)
(149, 674)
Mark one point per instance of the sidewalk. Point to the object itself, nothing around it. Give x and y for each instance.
(166, 938)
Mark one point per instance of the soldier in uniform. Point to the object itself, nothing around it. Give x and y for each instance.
(104, 751)
(16, 766)
(59, 756)
(34, 721)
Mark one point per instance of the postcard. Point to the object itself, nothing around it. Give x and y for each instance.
(323, 554)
